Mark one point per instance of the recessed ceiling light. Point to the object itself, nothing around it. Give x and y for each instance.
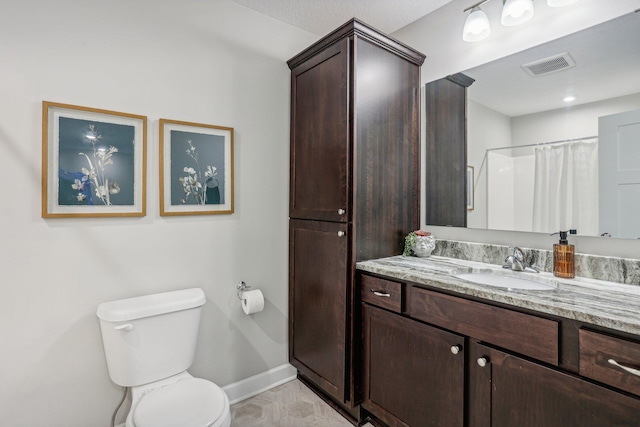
(560, 3)
(569, 98)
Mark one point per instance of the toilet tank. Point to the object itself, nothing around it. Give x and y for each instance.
(151, 337)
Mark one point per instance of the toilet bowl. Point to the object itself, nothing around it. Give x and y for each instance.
(185, 401)
(149, 343)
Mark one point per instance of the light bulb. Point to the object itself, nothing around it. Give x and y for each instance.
(476, 27)
(516, 12)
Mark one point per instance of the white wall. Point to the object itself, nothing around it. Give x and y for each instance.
(500, 188)
(208, 62)
(571, 123)
(439, 36)
(487, 129)
(510, 192)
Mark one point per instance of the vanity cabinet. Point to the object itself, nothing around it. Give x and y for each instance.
(511, 367)
(515, 392)
(411, 375)
(354, 191)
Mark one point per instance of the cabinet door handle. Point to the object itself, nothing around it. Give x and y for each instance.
(482, 361)
(340, 233)
(341, 211)
(380, 293)
(632, 371)
(455, 349)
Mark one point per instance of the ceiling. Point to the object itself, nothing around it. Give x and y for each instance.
(607, 56)
(607, 65)
(323, 16)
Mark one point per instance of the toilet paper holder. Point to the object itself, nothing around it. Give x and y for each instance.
(241, 287)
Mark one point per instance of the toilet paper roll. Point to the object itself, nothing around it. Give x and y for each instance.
(252, 301)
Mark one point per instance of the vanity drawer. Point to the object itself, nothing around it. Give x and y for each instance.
(382, 293)
(596, 349)
(526, 334)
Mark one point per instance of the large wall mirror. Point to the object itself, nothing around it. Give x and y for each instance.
(543, 162)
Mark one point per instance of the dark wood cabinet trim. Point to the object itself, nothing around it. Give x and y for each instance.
(460, 79)
(355, 26)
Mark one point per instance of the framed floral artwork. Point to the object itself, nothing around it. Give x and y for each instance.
(93, 162)
(196, 168)
(470, 189)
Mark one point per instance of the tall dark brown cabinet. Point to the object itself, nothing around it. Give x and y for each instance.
(354, 190)
(446, 151)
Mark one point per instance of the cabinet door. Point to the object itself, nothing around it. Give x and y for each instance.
(411, 376)
(319, 136)
(318, 302)
(518, 393)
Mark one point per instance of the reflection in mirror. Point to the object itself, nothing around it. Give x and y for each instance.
(565, 174)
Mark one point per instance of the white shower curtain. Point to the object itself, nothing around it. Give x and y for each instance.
(566, 187)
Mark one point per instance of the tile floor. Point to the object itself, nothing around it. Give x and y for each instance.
(289, 405)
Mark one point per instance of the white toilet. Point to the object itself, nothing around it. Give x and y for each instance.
(149, 343)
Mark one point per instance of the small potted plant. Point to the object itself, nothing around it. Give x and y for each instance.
(419, 243)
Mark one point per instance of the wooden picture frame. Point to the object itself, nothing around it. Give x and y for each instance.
(93, 162)
(470, 189)
(196, 168)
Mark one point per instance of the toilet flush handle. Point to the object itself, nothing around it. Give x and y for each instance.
(124, 327)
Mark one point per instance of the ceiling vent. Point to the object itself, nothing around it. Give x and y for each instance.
(549, 65)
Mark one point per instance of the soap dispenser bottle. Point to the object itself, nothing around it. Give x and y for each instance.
(564, 257)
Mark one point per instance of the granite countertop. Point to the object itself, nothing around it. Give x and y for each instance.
(607, 304)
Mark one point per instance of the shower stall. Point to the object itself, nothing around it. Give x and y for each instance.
(544, 187)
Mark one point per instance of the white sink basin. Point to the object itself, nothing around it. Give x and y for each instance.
(504, 281)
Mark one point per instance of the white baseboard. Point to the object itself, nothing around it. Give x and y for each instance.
(256, 384)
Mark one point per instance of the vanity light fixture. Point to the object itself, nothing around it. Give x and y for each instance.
(516, 12)
(476, 27)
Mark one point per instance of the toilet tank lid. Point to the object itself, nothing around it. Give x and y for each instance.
(150, 305)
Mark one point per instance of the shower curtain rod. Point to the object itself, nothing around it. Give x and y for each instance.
(543, 143)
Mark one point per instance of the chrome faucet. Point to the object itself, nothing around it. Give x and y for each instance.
(516, 261)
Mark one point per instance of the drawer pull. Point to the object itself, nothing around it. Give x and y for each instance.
(341, 233)
(632, 371)
(341, 211)
(380, 293)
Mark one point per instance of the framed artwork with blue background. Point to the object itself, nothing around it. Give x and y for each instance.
(93, 162)
(196, 168)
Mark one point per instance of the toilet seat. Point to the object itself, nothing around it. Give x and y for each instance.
(192, 402)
